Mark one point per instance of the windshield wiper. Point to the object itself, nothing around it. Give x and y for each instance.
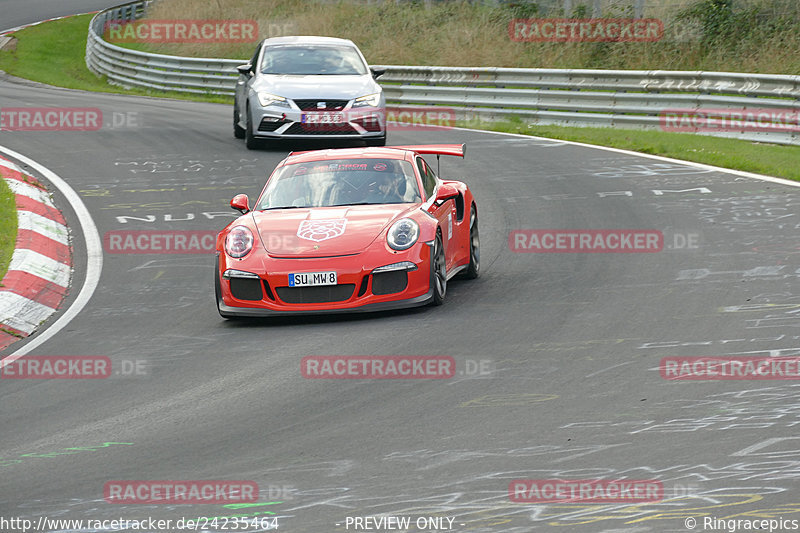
(285, 207)
(310, 206)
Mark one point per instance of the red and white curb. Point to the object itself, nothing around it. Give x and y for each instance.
(40, 271)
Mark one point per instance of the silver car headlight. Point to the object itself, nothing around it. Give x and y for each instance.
(239, 242)
(267, 99)
(371, 100)
(403, 234)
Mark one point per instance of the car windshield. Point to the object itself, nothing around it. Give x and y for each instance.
(304, 60)
(341, 182)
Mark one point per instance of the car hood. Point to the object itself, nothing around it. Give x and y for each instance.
(317, 86)
(325, 232)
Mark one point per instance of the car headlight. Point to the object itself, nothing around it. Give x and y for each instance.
(371, 100)
(239, 242)
(403, 234)
(267, 99)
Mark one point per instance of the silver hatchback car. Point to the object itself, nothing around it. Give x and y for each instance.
(308, 88)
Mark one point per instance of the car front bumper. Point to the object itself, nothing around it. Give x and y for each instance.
(359, 288)
(280, 122)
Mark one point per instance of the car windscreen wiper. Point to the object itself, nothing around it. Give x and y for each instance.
(285, 207)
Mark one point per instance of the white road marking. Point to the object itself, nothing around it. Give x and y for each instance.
(761, 177)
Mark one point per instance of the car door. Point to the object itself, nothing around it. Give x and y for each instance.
(444, 213)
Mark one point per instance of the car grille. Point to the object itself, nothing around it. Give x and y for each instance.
(316, 295)
(330, 105)
(389, 282)
(246, 289)
(299, 128)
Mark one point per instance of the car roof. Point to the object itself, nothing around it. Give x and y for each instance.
(307, 39)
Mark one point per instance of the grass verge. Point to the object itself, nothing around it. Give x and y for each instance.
(55, 53)
(722, 35)
(8, 226)
(760, 158)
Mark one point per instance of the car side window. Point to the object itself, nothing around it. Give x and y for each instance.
(428, 177)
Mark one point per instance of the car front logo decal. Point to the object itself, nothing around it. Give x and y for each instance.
(321, 230)
(321, 105)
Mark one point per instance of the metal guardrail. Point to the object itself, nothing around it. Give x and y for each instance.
(571, 97)
(132, 68)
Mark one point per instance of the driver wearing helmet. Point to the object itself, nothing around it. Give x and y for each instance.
(387, 188)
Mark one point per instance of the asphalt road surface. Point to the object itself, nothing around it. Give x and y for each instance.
(557, 354)
(15, 13)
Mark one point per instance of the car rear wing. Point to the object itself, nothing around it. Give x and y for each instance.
(457, 150)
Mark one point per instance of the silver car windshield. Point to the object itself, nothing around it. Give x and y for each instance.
(312, 60)
(341, 182)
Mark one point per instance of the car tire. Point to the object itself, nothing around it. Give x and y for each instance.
(250, 140)
(238, 131)
(438, 271)
(474, 268)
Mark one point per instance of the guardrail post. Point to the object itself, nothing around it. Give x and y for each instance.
(638, 9)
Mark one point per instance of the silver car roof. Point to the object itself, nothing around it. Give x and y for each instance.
(307, 39)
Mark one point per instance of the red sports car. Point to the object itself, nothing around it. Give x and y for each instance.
(354, 229)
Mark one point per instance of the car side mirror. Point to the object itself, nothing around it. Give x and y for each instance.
(445, 192)
(245, 70)
(241, 203)
(377, 72)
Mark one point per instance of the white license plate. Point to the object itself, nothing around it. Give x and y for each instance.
(310, 279)
(322, 118)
